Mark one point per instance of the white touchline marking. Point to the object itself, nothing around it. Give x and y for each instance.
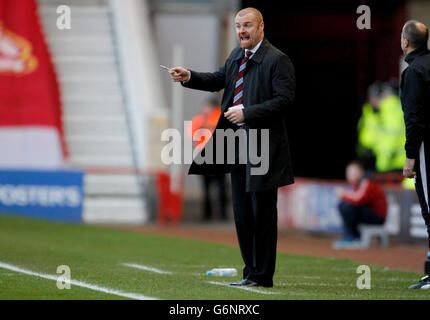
(243, 288)
(135, 296)
(146, 268)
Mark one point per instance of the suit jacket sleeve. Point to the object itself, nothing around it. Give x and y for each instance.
(283, 87)
(413, 109)
(207, 81)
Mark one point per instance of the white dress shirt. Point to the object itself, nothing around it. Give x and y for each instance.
(253, 50)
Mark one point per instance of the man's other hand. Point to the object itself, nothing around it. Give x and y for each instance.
(408, 169)
(235, 116)
(179, 74)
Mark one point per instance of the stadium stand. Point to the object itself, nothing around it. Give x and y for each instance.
(96, 114)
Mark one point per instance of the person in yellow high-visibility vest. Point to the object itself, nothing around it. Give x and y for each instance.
(389, 147)
(381, 131)
(368, 128)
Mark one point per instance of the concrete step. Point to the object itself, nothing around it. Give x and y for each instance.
(104, 149)
(112, 184)
(91, 120)
(70, 59)
(95, 127)
(111, 210)
(97, 139)
(93, 99)
(77, 110)
(92, 91)
(49, 9)
(81, 3)
(89, 46)
(84, 161)
(79, 27)
(102, 69)
(78, 80)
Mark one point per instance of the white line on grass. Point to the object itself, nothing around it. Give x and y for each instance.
(146, 268)
(135, 296)
(243, 288)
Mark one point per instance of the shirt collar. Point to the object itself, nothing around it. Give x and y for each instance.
(417, 52)
(254, 50)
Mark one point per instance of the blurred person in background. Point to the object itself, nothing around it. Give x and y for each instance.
(368, 127)
(208, 120)
(415, 97)
(364, 204)
(381, 129)
(389, 148)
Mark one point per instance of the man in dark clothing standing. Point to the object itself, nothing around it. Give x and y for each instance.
(415, 97)
(259, 85)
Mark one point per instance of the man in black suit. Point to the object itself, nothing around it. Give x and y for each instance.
(415, 97)
(259, 82)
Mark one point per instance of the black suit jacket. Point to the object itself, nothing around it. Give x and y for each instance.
(415, 97)
(269, 87)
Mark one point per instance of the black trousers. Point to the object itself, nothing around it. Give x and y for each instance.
(256, 217)
(422, 168)
(219, 180)
(353, 215)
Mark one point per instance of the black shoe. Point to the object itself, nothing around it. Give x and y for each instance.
(423, 284)
(245, 283)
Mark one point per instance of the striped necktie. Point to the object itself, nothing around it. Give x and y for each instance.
(238, 90)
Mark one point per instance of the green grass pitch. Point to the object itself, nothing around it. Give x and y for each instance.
(95, 255)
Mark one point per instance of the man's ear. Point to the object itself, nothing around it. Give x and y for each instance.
(405, 43)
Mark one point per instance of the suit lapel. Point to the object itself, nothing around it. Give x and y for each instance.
(261, 52)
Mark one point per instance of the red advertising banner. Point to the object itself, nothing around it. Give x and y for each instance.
(31, 131)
